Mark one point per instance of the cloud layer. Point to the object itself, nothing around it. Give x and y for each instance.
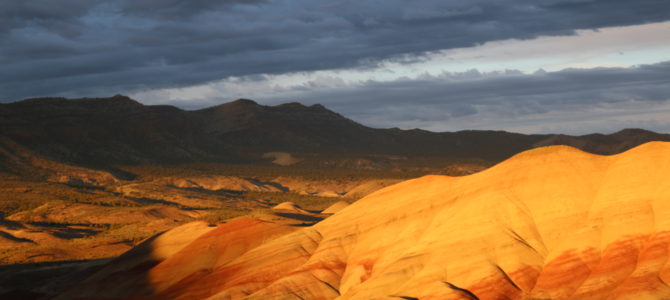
(87, 47)
(576, 101)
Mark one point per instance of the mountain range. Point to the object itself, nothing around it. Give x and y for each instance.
(119, 130)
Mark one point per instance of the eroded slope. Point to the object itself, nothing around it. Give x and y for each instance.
(552, 223)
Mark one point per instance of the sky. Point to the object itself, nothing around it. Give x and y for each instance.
(530, 66)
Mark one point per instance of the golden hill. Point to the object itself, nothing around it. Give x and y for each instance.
(549, 223)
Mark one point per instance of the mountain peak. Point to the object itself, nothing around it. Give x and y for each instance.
(118, 99)
(301, 107)
(243, 101)
(632, 131)
(241, 105)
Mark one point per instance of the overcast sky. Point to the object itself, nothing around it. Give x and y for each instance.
(533, 66)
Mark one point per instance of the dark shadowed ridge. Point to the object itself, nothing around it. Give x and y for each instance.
(120, 130)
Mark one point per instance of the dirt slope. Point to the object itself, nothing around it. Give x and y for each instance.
(549, 223)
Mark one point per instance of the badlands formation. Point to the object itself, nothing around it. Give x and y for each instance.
(549, 223)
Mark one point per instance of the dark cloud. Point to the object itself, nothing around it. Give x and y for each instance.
(79, 47)
(58, 17)
(170, 9)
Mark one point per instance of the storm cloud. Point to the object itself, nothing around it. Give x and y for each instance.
(98, 48)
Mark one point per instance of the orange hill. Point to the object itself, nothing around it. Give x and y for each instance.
(549, 223)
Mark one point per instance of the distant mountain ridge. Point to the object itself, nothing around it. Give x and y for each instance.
(120, 130)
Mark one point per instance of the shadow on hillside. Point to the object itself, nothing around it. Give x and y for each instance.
(121, 277)
(9, 223)
(44, 280)
(300, 217)
(262, 183)
(14, 238)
